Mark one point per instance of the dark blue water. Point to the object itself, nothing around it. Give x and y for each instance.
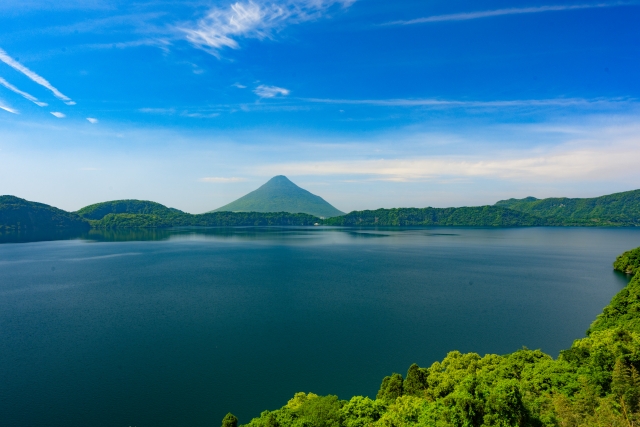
(177, 328)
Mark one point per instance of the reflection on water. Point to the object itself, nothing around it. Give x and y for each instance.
(37, 236)
(159, 234)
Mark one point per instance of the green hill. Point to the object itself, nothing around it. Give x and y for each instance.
(130, 214)
(100, 210)
(22, 215)
(477, 216)
(614, 209)
(281, 195)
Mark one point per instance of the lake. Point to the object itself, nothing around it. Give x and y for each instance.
(179, 327)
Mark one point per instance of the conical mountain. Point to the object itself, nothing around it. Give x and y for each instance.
(281, 195)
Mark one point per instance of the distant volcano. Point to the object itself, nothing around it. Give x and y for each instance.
(281, 195)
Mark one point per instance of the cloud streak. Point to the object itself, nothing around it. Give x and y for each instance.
(588, 155)
(4, 57)
(466, 16)
(579, 164)
(8, 109)
(264, 91)
(25, 95)
(444, 103)
(223, 27)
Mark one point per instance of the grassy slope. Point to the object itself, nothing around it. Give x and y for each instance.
(613, 209)
(19, 214)
(281, 195)
(594, 383)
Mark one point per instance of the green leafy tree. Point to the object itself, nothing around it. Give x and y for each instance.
(416, 382)
(391, 388)
(229, 420)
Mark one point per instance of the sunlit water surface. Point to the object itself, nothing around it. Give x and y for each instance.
(177, 328)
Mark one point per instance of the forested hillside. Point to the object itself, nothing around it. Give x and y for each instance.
(621, 209)
(614, 209)
(22, 215)
(481, 216)
(212, 219)
(100, 210)
(596, 382)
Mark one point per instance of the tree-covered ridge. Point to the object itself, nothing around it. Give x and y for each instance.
(212, 219)
(21, 215)
(618, 208)
(480, 216)
(628, 262)
(100, 210)
(594, 383)
(621, 209)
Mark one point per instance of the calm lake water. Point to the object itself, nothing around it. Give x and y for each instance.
(177, 328)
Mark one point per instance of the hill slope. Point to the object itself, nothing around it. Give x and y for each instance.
(618, 208)
(477, 216)
(100, 210)
(20, 214)
(281, 195)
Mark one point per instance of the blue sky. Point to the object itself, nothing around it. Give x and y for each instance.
(367, 103)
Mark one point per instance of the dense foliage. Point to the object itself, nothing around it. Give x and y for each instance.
(212, 219)
(628, 262)
(594, 383)
(480, 216)
(100, 210)
(621, 209)
(281, 195)
(614, 209)
(21, 215)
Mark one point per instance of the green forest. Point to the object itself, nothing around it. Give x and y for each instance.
(596, 382)
(618, 208)
(17, 215)
(615, 210)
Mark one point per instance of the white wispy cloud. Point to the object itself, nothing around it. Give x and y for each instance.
(157, 110)
(585, 164)
(4, 57)
(200, 115)
(589, 154)
(92, 120)
(58, 114)
(222, 27)
(465, 16)
(264, 91)
(8, 109)
(432, 102)
(31, 98)
(220, 179)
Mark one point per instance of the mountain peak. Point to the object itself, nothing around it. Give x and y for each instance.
(279, 194)
(279, 180)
